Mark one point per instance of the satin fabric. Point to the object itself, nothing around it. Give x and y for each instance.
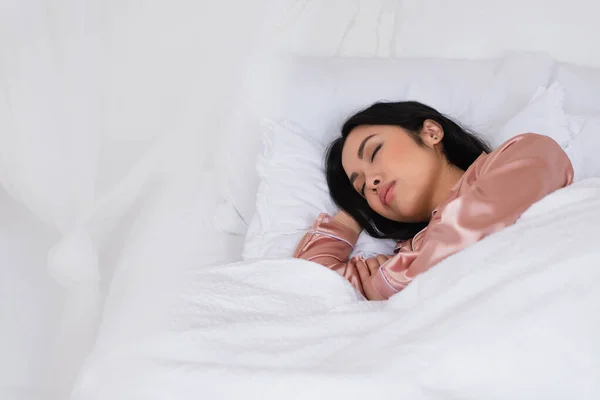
(491, 195)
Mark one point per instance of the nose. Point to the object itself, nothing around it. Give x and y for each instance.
(372, 182)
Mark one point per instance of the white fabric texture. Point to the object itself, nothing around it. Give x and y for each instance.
(516, 315)
(48, 160)
(583, 148)
(582, 88)
(320, 93)
(100, 102)
(25, 287)
(293, 191)
(545, 115)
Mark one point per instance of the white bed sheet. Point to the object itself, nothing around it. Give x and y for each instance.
(515, 316)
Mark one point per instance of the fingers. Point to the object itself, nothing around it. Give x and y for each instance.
(373, 265)
(381, 258)
(363, 270)
(369, 267)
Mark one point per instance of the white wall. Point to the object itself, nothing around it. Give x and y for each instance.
(441, 28)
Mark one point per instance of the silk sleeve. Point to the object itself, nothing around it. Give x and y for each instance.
(521, 172)
(329, 243)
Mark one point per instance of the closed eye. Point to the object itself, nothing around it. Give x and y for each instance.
(375, 151)
(377, 148)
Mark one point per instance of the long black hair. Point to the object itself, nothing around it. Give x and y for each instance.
(460, 146)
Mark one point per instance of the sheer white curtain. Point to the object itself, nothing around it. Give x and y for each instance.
(98, 100)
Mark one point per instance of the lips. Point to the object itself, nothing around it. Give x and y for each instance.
(383, 193)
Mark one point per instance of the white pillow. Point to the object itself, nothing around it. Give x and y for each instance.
(582, 88)
(583, 148)
(322, 92)
(544, 115)
(293, 190)
(292, 193)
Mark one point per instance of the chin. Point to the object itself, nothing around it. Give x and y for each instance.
(403, 220)
(408, 218)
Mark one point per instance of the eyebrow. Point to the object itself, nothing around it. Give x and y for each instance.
(361, 148)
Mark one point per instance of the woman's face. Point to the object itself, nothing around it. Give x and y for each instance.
(395, 174)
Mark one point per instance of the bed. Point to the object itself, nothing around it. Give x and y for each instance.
(174, 270)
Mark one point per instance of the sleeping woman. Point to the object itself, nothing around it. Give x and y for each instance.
(404, 171)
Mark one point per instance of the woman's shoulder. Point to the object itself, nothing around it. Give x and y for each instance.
(526, 145)
(526, 140)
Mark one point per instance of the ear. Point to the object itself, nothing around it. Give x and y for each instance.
(432, 133)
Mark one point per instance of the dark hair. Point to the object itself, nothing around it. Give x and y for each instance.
(460, 146)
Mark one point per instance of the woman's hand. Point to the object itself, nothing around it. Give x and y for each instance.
(345, 219)
(366, 270)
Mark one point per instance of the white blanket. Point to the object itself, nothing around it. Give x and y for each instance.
(516, 316)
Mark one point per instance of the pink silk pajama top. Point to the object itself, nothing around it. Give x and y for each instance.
(496, 189)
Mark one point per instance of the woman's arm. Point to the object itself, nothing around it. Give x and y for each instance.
(329, 242)
(498, 191)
